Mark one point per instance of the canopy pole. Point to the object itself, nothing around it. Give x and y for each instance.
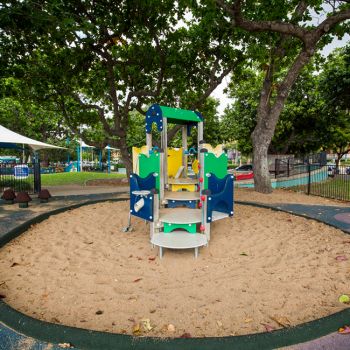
(37, 172)
(81, 155)
(100, 159)
(78, 159)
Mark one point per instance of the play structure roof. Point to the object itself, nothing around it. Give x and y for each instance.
(179, 116)
(10, 137)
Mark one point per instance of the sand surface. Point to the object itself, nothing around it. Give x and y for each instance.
(284, 196)
(262, 269)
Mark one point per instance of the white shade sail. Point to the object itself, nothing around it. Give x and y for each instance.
(84, 145)
(8, 136)
(111, 148)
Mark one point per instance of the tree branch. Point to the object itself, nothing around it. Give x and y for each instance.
(100, 112)
(260, 26)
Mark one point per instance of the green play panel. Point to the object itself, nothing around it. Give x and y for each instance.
(191, 228)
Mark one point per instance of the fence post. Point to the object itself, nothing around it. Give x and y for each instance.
(309, 177)
(37, 173)
(276, 167)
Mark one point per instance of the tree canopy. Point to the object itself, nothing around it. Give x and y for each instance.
(282, 39)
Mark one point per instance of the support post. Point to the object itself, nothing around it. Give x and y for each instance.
(164, 146)
(199, 135)
(148, 142)
(184, 148)
(154, 225)
(201, 160)
(161, 177)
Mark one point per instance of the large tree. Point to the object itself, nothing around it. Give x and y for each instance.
(334, 88)
(283, 38)
(99, 61)
(301, 126)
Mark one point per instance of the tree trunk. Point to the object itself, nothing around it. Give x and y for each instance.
(262, 182)
(125, 158)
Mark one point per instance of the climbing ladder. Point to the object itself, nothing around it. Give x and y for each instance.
(180, 207)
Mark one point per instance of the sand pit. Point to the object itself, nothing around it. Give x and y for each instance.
(262, 269)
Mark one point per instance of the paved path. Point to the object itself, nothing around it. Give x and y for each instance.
(11, 216)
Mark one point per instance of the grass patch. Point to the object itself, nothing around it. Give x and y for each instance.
(337, 188)
(61, 179)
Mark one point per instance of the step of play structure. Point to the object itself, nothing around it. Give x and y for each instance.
(179, 240)
(180, 215)
(181, 196)
(183, 181)
(183, 184)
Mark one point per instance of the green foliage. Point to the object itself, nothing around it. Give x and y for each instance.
(239, 119)
(335, 92)
(315, 116)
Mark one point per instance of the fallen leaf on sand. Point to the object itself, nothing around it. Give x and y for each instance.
(14, 264)
(138, 280)
(136, 330)
(268, 327)
(152, 258)
(243, 254)
(281, 320)
(146, 324)
(248, 320)
(341, 258)
(186, 335)
(345, 299)
(88, 242)
(219, 323)
(344, 330)
(171, 328)
(99, 312)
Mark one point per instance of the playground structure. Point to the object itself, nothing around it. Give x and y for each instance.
(92, 151)
(179, 202)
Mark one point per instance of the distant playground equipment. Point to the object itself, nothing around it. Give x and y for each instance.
(95, 158)
(178, 201)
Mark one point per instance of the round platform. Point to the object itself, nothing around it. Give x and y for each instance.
(180, 215)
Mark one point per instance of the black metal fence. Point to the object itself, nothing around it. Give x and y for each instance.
(297, 165)
(16, 176)
(325, 181)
